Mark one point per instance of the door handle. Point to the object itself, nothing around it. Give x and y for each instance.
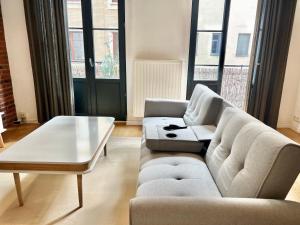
(91, 62)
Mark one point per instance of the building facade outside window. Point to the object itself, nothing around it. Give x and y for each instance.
(242, 48)
(216, 44)
(76, 45)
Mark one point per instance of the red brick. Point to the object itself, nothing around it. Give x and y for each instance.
(7, 104)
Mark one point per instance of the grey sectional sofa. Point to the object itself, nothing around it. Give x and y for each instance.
(242, 180)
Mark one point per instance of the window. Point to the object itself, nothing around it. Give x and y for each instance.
(76, 45)
(205, 42)
(216, 44)
(243, 45)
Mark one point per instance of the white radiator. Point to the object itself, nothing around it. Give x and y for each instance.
(155, 79)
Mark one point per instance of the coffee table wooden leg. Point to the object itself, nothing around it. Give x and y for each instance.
(79, 185)
(1, 141)
(105, 150)
(18, 188)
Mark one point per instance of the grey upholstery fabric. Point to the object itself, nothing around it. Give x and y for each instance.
(186, 140)
(147, 154)
(204, 132)
(225, 105)
(165, 108)
(204, 187)
(176, 176)
(212, 211)
(155, 121)
(219, 149)
(175, 161)
(203, 108)
(246, 160)
(249, 159)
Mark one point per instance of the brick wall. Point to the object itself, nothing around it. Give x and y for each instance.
(7, 104)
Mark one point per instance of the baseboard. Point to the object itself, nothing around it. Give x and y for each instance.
(284, 124)
(31, 121)
(295, 126)
(134, 122)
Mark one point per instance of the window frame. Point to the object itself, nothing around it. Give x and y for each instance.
(215, 85)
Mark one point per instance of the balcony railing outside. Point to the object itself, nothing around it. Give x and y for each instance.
(234, 83)
(78, 70)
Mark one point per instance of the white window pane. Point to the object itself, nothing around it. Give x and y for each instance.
(239, 43)
(206, 73)
(204, 49)
(74, 13)
(105, 13)
(77, 53)
(210, 14)
(106, 45)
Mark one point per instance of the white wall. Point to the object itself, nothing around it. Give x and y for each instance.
(290, 101)
(156, 29)
(19, 57)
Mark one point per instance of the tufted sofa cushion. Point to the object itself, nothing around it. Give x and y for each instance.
(203, 107)
(248, 159)
(147, 154)
(176, 176)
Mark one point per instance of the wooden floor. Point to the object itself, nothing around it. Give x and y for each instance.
(49, 199)
(290, 133)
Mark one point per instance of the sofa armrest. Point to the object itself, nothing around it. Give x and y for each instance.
(215, 211)
(165, 108)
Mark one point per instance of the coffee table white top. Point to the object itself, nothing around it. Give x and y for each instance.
(62, 140)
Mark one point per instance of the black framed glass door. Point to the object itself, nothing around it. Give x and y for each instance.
(207, 44)
(97, 51)
(222, 34)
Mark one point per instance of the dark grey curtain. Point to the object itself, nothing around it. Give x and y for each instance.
(273, 39)
(47, 34)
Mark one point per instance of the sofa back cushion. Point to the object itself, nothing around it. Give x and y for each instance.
(248, 159)
(203, 108)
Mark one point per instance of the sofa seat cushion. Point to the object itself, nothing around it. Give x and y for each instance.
(174, 161)
(177, 188)
(147, 154)
(155, 121)
(176, 176)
